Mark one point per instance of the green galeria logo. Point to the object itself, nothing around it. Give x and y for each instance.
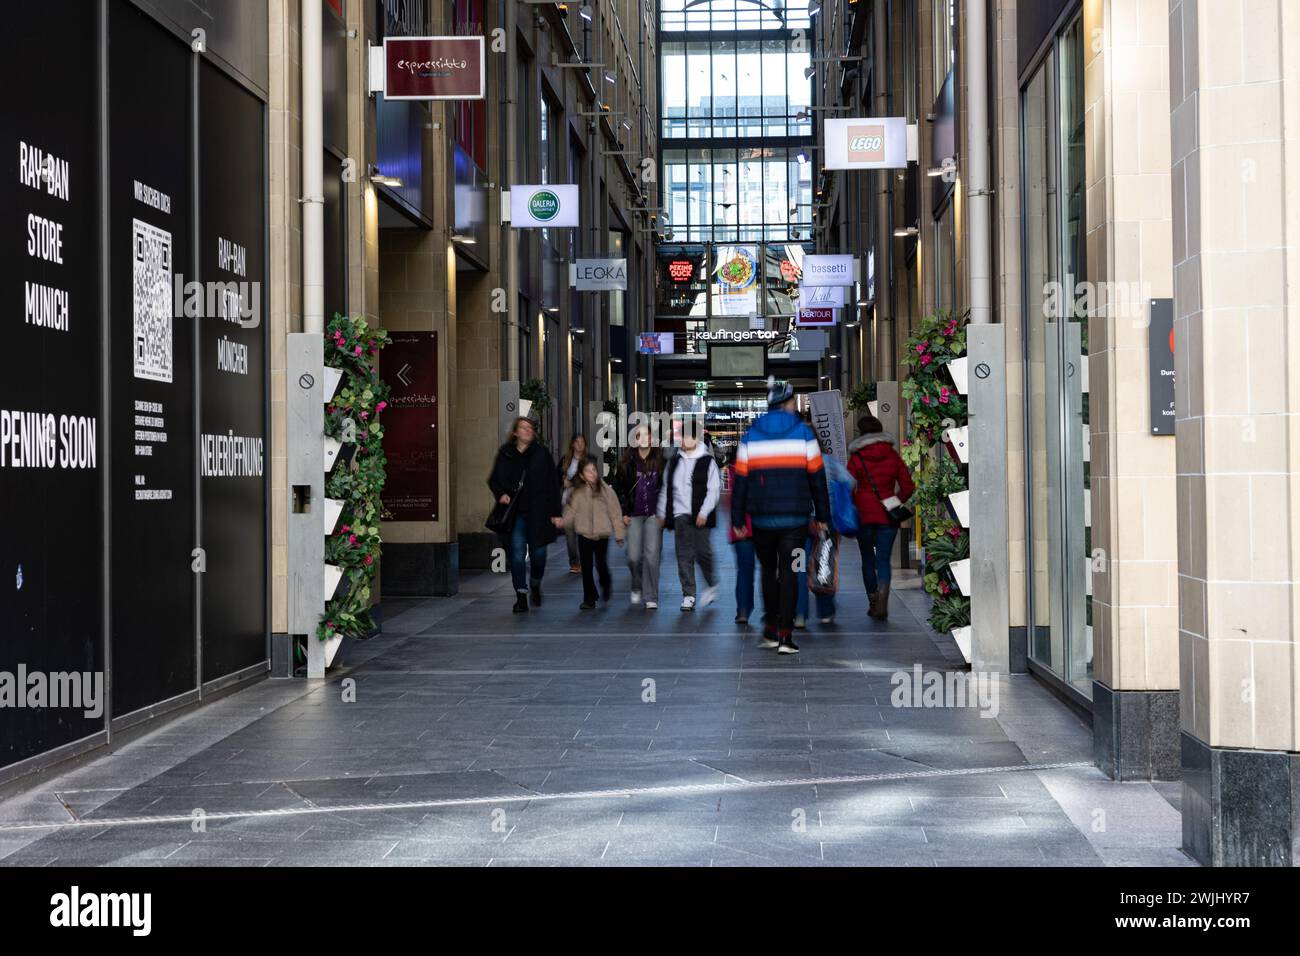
(544, 205)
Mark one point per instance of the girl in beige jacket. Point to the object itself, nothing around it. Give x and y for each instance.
(593, 512)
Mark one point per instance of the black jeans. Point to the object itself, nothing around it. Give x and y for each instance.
(593, 552)
(775, 548)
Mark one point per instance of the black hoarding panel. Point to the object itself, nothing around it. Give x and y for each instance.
(51, 559)
(232, 445)
(153, 442)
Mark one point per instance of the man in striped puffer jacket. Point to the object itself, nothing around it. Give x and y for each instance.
(779, 482)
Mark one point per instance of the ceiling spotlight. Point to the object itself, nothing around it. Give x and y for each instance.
(584, 11)
(464, 240)
(808, 72)
(814, 7)
(610, 77)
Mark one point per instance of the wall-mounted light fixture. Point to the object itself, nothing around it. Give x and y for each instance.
(382, 179)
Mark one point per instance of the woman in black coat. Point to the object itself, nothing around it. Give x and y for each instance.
(538, 513)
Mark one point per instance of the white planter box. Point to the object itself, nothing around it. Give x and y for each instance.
(333, 575)
(962, 636)
(333, 508)
(332, 645)
(332, 378)
(959, 438)
(332, 448)
(957, 369)
(960, 501)
(961, 574)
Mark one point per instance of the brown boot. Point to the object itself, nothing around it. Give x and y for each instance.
(873, 603)
(882, 603)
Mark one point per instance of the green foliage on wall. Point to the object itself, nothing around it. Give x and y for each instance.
(353, 417)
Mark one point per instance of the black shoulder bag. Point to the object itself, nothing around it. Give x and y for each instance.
(502, 518)
(897, 514)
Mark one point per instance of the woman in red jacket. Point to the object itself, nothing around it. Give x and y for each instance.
(883, 479)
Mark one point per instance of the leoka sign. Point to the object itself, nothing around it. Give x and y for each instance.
(600, 275)
(865, 143)
(434, 68)
(828, 270)
(544, 206)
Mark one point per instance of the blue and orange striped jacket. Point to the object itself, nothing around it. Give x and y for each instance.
(779, 472)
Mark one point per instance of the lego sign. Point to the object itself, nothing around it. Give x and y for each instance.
(866, 143)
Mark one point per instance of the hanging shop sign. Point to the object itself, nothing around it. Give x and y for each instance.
(655, 343)
(827, 412)
(814, 317)
(434, 68)
(821, 297)
(600, 275)
(1160, 351)
(410, 367)
(544, 206)
(829, 270)
(736, 277)
(738, 335)
(866, 143)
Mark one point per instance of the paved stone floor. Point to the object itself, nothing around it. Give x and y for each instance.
(618, 736)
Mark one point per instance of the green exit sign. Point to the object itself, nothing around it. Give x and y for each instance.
(701, 388)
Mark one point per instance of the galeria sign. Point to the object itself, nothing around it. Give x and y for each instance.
(600, 275)
(866, 143)
(544, 206)
(434, 68)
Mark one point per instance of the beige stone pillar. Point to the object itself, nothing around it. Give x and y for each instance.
(1235, 93)
(1134, 517)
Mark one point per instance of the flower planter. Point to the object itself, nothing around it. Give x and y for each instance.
(333, 577)
(957, 440)
(962, 636)
(959, 505)
(332, 378)
(332, 448)
(957, 369)
(332, 645)
(333, 508)
(961, 574)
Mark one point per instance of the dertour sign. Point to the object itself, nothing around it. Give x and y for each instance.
(544, 206)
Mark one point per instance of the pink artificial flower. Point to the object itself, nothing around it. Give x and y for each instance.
(329, 625)
(955, 531)
(345, 529)
(943, 587)
(943, 396)
(352, 539)
(358, 350)
(369, 560)
(950, 328)
(921, 347)
(381, 406)
(926, 359)
(364, 416)
(925, 399)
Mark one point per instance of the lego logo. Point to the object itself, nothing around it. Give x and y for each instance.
(866, 143)
(873, 143)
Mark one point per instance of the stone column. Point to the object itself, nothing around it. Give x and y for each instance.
(1235, 92)
(1132, 477)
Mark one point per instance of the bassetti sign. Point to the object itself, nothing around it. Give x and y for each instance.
(600, 275)
(434, 68)
(544, 206)
(867, 143)
(828, 270)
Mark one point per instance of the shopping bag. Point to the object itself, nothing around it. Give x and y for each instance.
(844, 512)
(825, 575)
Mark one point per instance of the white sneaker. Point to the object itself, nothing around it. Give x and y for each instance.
(651, 605)
(688, 603)
(709, 596)
(636, 597)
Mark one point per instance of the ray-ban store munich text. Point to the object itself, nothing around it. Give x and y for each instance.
(133, 418)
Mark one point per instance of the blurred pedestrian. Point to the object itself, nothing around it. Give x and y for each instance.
(524, 469)
(594, 514)
(884, 483)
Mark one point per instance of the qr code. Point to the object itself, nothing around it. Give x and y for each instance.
(152, 258)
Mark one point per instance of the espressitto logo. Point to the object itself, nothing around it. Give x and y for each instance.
(544, 205)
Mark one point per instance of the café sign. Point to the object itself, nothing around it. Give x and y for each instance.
(434, 68)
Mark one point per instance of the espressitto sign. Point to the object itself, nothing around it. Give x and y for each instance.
(434, 68)
(544, 206)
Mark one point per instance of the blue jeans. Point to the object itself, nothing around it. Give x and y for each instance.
(825, 602)
(744, 577)
(876, 542)
(521, 554)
